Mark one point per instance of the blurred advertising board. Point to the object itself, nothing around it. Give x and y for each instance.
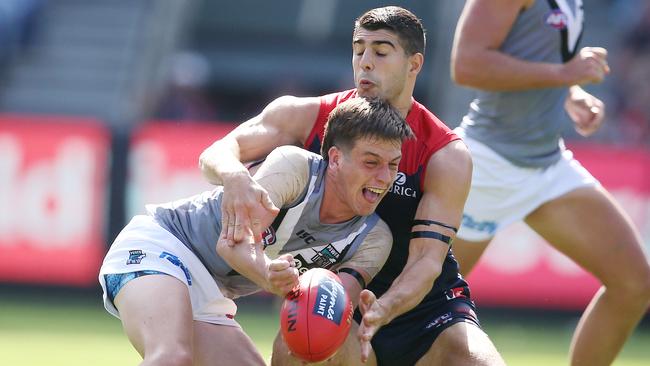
(520, 269)
(53, 183)
(164, 159)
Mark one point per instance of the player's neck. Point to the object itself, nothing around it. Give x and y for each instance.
(332, 208)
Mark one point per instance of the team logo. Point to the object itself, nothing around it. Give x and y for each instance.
(268, 237)
(135, 256)
(557, 19)
(330, 301)
(326, 257)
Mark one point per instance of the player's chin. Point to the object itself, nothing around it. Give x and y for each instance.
(367, 92)
(366, 209)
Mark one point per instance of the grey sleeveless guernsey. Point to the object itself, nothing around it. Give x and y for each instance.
(524, 126)
(196, 222)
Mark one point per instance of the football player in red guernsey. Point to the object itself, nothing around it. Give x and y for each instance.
(418, 308)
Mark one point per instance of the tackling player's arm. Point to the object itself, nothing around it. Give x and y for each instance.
(284, 174)
(285, 121)
(477, 62)
(356, 272)
(446, 187)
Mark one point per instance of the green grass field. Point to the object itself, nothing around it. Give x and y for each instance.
(73, 329)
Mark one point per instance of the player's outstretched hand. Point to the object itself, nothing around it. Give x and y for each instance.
(374, 316)
(246, 209)
(282, 275)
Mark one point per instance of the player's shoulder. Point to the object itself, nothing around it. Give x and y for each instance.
(292, 154)
(381, 230)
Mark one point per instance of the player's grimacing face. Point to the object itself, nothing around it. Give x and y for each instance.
(367, 173)
(380, 64)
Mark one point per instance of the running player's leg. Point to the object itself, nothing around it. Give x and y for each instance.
(462, 344)
(156, 314)
(216, 344)
(468, 253)
(589, 227)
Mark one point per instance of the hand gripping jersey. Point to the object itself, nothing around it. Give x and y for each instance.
(398, 208)
(525, 126)
(360, 242)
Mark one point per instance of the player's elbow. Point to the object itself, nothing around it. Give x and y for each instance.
(224, 250)
(464, 68)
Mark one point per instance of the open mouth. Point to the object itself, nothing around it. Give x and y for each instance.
(373, 194)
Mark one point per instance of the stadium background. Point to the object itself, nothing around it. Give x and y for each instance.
(105, 106)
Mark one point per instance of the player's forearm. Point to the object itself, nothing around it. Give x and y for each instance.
(220, 163)
(248, 260)
(410, 287)
(496, 71)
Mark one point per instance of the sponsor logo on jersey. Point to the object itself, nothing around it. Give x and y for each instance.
(399, 187)
(135, 256)
(330, 300)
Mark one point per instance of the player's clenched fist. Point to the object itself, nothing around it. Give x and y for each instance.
(282, 275)
(589, 66)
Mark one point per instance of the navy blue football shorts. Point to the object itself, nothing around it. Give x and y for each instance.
(115, 282)
(408, 337)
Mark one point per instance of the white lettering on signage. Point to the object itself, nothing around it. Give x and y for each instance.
(47, 201)
(153, 180)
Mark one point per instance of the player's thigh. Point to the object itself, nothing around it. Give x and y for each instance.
(216, 344)
(468, 253)
(156, 313)
(462, 344)
(587, 225)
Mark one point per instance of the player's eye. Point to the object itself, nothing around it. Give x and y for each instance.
(371, 164)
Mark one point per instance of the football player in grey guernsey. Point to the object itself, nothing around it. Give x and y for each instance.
(171, 276)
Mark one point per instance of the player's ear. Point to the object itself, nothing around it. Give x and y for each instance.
(415, 63)
(335, 154)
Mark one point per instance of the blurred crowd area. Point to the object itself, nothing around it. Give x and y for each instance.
(128, 61)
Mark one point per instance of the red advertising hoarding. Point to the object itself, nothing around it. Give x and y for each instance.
(53, 182)
(163, 161)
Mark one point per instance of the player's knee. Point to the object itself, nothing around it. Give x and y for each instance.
(636, 289)
(463, 344)
(640, 288)
(170, 357)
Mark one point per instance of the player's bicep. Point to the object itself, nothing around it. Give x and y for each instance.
(285, 121)
(486, 23)
(446, 186)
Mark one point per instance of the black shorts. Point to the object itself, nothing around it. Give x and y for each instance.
(408, 337)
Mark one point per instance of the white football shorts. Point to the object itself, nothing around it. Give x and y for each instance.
(503, 193)
(143, 245)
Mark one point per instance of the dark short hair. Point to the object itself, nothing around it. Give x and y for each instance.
(358, 118)
(402, 22)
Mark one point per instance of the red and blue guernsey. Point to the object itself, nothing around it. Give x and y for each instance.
(398, 208)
